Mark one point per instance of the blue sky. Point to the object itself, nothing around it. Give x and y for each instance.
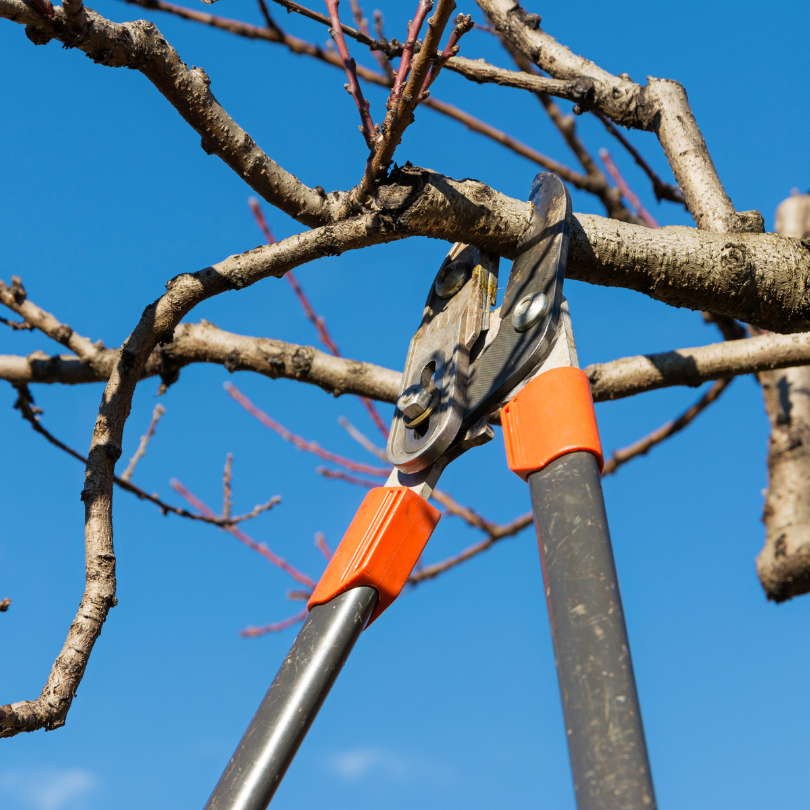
(451, 698)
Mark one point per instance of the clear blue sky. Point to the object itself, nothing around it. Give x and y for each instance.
(451, 699)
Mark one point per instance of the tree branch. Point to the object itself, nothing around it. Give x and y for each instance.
(660, 106)
(157, 324)
(644, 445)
(139, 45)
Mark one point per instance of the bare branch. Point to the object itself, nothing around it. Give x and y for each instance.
(644, 445)
(661, 107)
(157, 323)
(367, 126)
(300, 442)
(141, 451)
(783, 565)
(16, 299)
(25, 405)
(662, 190)
(259, 548)
(634, 375)
(139, 45)
(302, 47)
(646, 218)
(403, 101)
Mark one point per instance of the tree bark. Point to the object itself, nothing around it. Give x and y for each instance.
(784, 563)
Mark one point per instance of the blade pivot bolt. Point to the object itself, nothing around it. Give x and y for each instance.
(417, 403)
(529, 310)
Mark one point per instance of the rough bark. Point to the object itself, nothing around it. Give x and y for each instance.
(205, 343)
(140, 45)
(784, 563)
(157, 324)
(660, 106)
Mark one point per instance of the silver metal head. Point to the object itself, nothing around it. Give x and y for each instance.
(529, 311)
(417, 403)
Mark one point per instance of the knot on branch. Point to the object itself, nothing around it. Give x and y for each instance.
(302, 361)
(737, 262)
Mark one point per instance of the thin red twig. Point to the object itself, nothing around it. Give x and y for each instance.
(349, 479)
(464, 24)
(322, 546)
(613, 170)
(260, 548)
(317, 320)
(414, 27)
(300, 442)
(367, 126)
(252, 632)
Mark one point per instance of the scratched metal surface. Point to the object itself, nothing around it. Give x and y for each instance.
(539, 266)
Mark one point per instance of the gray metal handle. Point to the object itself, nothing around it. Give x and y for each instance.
(602, 716)
(279, 726)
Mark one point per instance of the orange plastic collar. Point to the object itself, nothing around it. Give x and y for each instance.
(380, 548)
(552, 416)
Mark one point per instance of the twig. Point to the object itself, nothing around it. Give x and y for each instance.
(271, 23)
(338, 475)
(322, 546)
(414, 27)
(226, 487)
(141, 451)
(469, 516)
(22, 326)
(375, 45)
(25, 405)
(298, 441)
(367, 127)
(259, 548)
(403, 100)
(253, 632)
(662, 190)
(317, 320)
(363, 440)
(642, 446)
(362, 25)
(463, 25)
(614, 172)
(499, 533)
(255, 512)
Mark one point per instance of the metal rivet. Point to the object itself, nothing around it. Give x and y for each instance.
(451, 279)
(528, 312)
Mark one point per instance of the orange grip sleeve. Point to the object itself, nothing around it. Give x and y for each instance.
(380, 548)
(552, 416)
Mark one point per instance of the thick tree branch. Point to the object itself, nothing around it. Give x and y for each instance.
(205, 343)
(783, 564)
(139, 45)
(660, 106)
(301, 47)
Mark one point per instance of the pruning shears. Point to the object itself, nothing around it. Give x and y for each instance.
(467, 364)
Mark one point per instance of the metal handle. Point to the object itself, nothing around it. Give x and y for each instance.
(279, 726)
(602, 716)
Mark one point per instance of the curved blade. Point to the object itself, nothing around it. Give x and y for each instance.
(539, 267)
